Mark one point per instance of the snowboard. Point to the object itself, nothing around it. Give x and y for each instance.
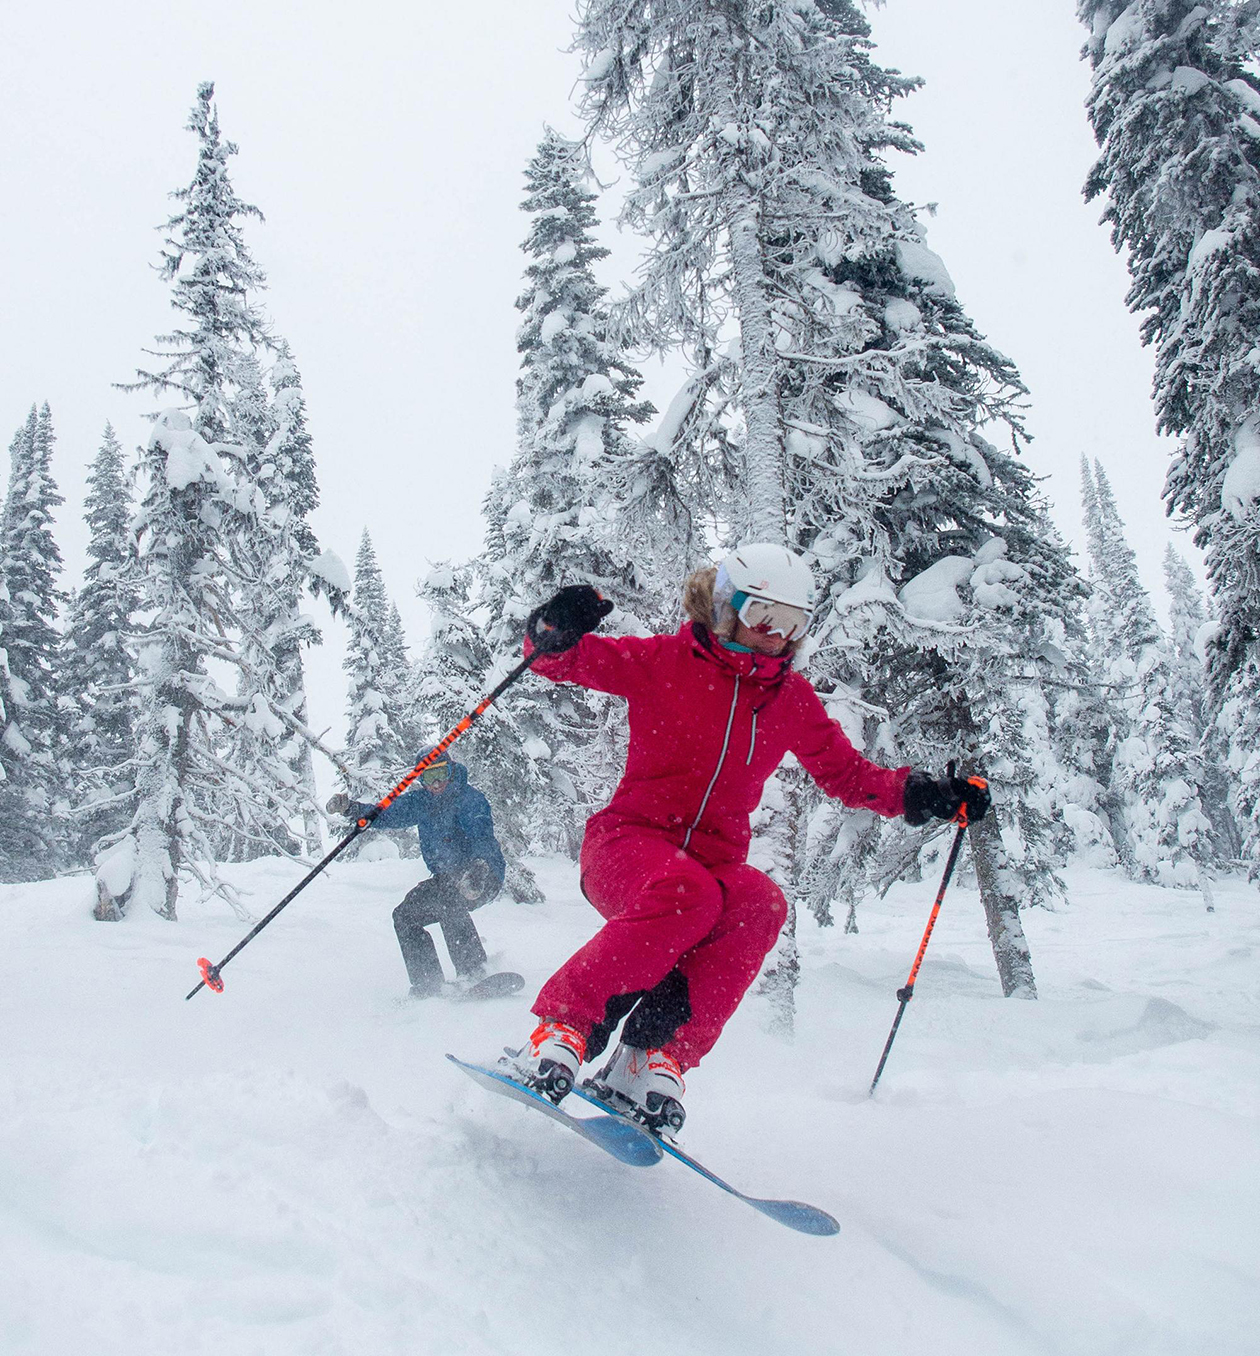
(625, 1141)
(500, 985)
(805, 1219)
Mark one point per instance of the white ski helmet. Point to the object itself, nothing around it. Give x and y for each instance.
(772, 574)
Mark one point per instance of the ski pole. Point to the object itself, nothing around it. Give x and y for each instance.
(210, 972)
(904, 995)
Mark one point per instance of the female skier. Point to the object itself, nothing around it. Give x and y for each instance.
(713, 710)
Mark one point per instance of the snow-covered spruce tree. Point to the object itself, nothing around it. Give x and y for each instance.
(99, 668)
(278, 563)
(298, 565)
(200, 517)
(575, 504)
(992, 636)
(1094, 720)
(1189, 627)
(754, 132)
(381, 728)
(1156, 769)
(1175, 108)
(185, 601)
(456, 669)
(33, 762)
(397, 654)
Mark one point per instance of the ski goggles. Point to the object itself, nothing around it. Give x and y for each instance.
(771, 618)
(437, 775)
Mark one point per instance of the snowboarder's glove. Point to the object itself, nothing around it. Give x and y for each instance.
(559, 624)
(338, 804)
(477, 884)
(928, 797)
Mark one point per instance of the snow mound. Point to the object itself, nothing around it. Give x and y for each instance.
(1128, 1025)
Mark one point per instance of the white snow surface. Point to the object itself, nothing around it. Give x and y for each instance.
(866, 410)
(330, 567)
(1240, 486)
(917, 261)
(1189, 79)
(1245, 95)
(189, 457)
(900, 314)
(933, 593)
(554, 323)
(292, 1169)
(1125, 30)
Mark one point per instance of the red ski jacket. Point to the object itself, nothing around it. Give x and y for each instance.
(708, 726)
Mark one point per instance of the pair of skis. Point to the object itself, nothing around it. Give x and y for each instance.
(637, 1147)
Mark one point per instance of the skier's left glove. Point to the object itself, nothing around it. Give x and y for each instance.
(477, 884)
(928, 797)
(562, 621)
(338, 804)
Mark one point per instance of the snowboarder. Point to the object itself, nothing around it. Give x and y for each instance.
(458, 845)
(713, 709)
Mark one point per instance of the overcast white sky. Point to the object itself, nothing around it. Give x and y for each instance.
(385, 144)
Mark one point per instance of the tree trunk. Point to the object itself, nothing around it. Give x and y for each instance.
(1001, 910)
(763, 457)
(778, 852)
(779, 985)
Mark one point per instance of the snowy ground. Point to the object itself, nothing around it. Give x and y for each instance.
(292, 1168)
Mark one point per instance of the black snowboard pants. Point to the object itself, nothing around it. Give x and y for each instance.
(437, 900)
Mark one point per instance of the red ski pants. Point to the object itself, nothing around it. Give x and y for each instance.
(665, 909)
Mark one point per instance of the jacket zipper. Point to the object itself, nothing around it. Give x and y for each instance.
(726, 740)
(752, 743)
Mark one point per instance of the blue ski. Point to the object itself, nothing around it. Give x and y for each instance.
(805, 1219)
(626, 1141)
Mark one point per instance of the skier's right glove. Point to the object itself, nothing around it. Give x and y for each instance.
(338, 804)
(560, 623)
(928, 797)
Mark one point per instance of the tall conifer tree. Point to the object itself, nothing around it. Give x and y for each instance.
(1189, 625)
(99, 665)
(1156, 769)
(203, 515)
(278, 563)
(382, 730)
(755, 133)
(581, 501)
(1175, 107)
(33, 744)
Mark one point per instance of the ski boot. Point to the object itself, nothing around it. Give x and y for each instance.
(645, 1085)
(549, 1062)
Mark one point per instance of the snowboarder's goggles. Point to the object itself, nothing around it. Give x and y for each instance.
(774, 619)
(436, 775)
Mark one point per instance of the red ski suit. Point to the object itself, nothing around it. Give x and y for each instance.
(665, 861)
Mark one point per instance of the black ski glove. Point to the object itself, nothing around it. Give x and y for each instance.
(477, 884)
(338, 804)
(928, 797)
(560, 623)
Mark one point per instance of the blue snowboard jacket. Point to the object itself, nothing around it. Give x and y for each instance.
(455, 824)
